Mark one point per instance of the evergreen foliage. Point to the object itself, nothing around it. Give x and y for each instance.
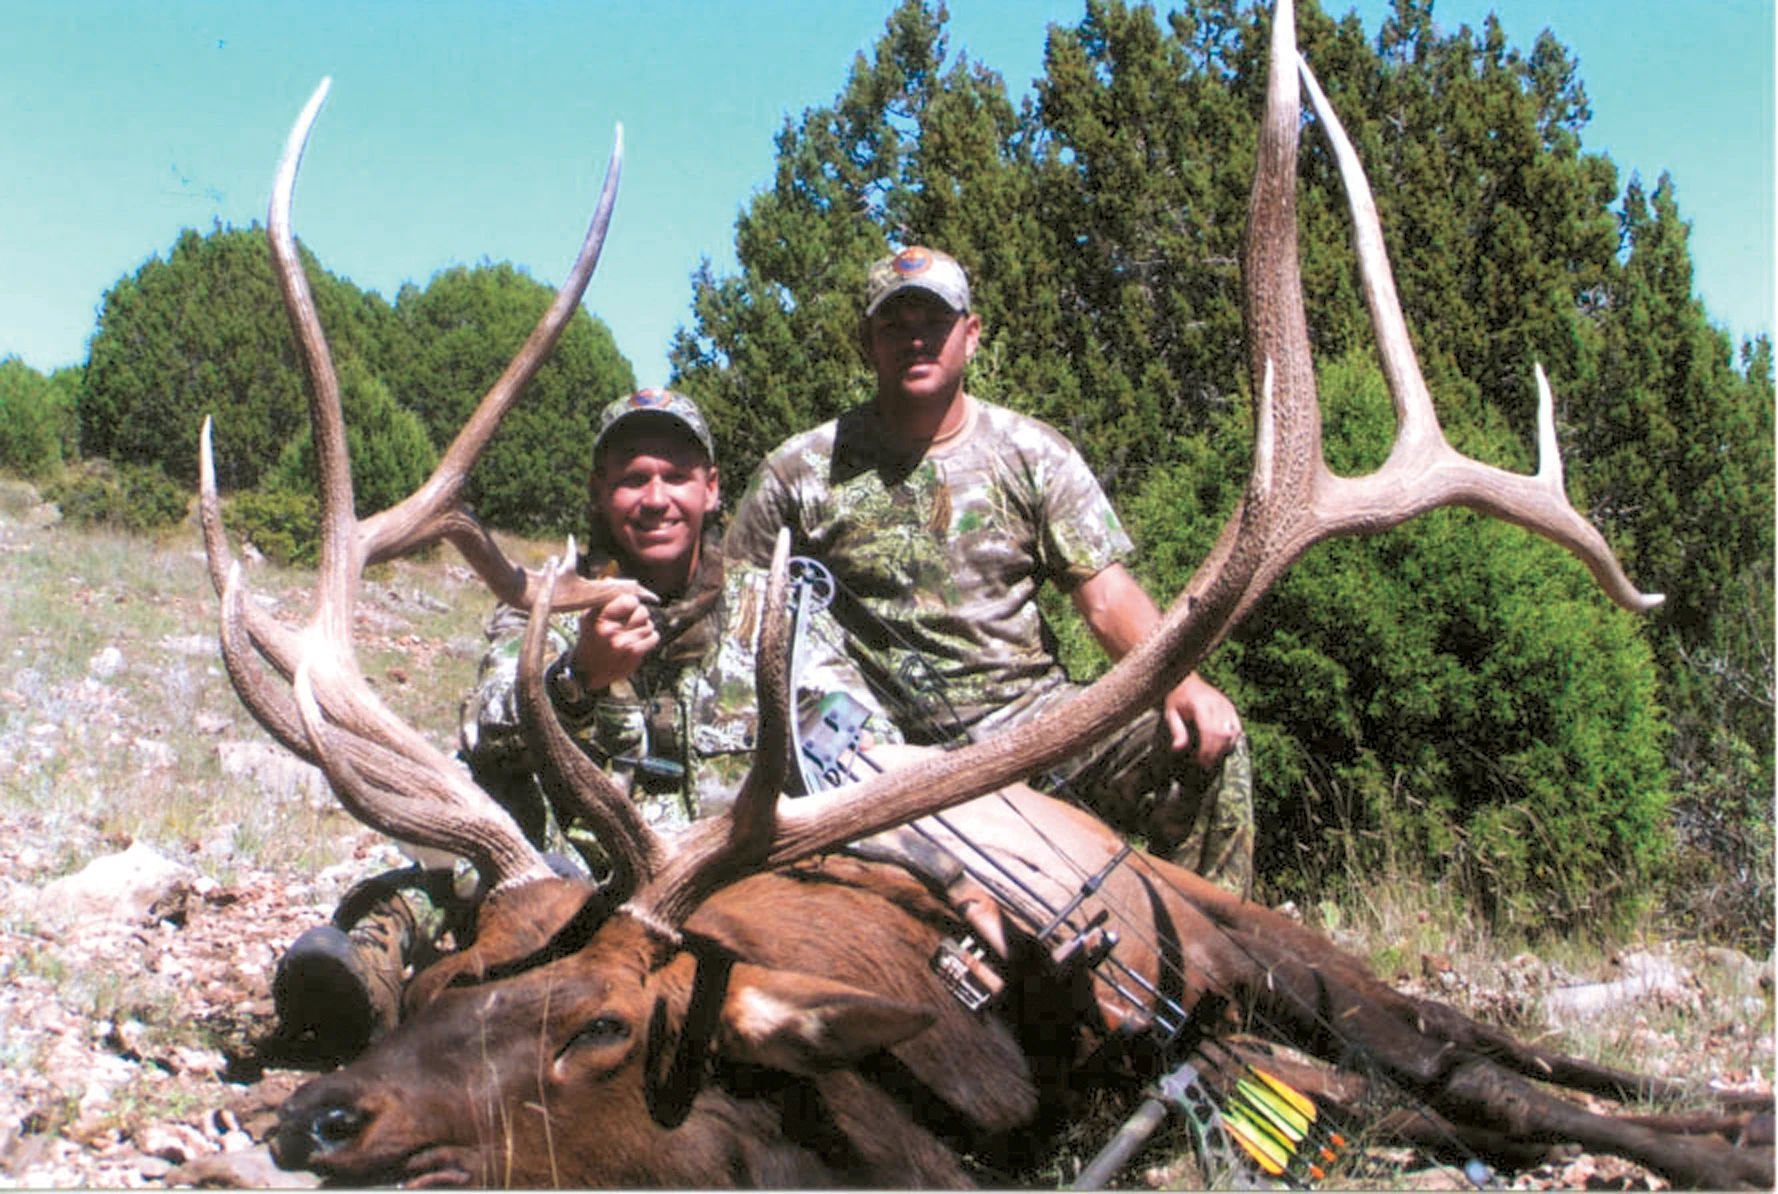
(463, 329)
(1102, 223)
(390, 454)
(913, 149)
(124, 496)
(37, 427)
(387, 444)
(203, 333)
(1679, 471)
(282, 524)
(1453, 697)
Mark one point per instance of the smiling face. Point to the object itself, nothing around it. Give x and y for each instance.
(919, 348)
(655, 488)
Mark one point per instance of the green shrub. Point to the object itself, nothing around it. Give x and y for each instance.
(1453, 700)
(37, 424)
(128, 497)
(284, 526)
(387, 446)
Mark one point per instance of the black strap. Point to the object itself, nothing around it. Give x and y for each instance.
(670, 1096)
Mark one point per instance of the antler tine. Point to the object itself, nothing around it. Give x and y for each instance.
(415, 800)
(341, 561)
(377, 785)
(244, 645)
(1422, 463)
(270, 637)
(385, 771)
(433, 511)
(756, 804)
(708, 854)
(635, 850)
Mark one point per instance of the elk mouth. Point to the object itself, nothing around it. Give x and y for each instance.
(330, 1146)
(429, 1168)
(434, 1167)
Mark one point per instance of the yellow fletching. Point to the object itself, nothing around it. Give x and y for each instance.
(1261, 1130)
(1290, 1094)
(1254, 1148)
(1274, 1108)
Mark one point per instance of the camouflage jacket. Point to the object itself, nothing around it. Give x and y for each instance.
(938, 557)
(679, 734)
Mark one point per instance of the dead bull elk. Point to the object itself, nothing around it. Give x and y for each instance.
(740, 1005)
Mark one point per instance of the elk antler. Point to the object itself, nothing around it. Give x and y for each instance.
(384, 770)
(1292, 501)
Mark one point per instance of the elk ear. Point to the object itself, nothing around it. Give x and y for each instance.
(806, 1025)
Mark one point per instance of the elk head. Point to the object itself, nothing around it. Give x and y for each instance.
(560, 1017)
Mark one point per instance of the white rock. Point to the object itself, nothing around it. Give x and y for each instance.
(118, 887)
(106, 664)
(1645, 977)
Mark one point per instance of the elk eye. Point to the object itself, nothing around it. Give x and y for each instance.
(598, 1047)
(599, 1033)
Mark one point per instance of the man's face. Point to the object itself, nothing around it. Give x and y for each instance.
(919, 346)
(655, 489)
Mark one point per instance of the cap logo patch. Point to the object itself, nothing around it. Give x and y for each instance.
(912, 261)
(650, 398)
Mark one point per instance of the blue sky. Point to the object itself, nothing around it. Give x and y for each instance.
(458, 132)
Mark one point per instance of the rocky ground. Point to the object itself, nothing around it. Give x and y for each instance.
(114, 1090)
(135, 963)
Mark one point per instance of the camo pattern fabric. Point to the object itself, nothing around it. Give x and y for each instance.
(1201, 820)
(938, 557)
(938, 560)
(679, 735)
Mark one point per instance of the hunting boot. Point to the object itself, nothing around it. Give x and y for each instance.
(339, 991)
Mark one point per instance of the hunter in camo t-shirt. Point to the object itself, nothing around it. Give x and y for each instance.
(940, 515)
(937, 563)
(944, 553)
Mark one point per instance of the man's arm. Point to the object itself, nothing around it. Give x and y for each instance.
(1121, 614)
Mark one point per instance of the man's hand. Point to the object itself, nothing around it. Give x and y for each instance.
(614, 640)
(1194, 706)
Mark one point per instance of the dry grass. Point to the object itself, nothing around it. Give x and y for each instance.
(114, 707)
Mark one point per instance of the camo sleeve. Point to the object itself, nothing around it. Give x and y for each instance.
(785, 491)
(819, 661)
(1078, 532)
(489, 734)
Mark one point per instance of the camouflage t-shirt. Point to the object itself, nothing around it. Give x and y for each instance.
(938, 556)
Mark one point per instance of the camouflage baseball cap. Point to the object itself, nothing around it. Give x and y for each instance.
(917, 268)
(659, 404)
